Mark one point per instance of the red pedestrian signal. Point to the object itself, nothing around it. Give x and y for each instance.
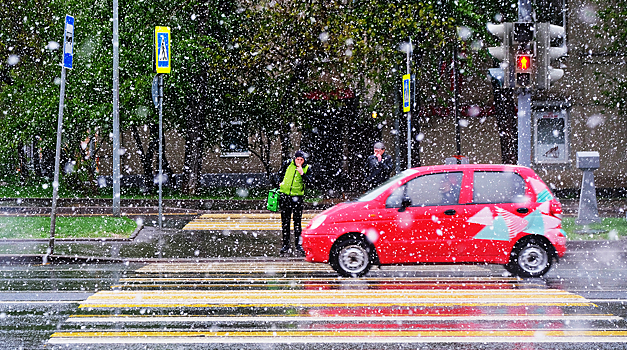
(523, 63)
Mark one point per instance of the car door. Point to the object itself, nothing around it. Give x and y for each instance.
(495, 214)
(426, 224)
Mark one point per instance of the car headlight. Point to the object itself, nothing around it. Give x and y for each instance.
(317, 221)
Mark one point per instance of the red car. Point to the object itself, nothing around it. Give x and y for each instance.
(474, 213)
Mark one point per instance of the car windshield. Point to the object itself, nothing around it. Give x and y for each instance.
(374, 193)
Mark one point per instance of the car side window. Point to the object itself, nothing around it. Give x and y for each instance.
(497, 187)
(426, 190)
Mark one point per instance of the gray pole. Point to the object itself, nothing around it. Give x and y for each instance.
(458, 131)
(409, 48)
(524, 128)
(116, 115)
(397, 126)
(57, 161)
(160, 151)
(524, 100)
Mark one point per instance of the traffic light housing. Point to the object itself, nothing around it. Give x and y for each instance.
(546, 75)
(523, 35)
(502, 53)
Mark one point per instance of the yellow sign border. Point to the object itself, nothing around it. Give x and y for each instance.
(169, 48)
(407, 94)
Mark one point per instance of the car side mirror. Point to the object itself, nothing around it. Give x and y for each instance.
(405, 202)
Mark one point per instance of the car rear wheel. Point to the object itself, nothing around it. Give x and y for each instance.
(351, 258)
(530, 258)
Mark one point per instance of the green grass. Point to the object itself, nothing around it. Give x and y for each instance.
(66, 227)
(614, 227)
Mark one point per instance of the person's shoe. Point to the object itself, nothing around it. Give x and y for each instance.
(300, 252)
(285, 252)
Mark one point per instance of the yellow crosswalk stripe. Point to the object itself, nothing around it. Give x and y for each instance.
(253, 307)
(242, 222)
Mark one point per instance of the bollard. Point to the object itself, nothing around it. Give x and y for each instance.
(588, 210)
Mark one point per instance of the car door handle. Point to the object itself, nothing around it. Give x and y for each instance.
(450, 212)
(523, 210)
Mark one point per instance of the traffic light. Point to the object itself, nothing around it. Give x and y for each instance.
(523, 70)
(546, 34)
(502, 53)
(523, 35)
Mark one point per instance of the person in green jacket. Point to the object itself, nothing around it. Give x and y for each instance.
(295, 174)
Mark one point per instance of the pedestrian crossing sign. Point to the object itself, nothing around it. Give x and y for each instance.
(162, 49)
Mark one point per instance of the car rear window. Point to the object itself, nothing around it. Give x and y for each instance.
(497, 187)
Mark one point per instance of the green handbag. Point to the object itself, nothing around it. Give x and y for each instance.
(273, 199)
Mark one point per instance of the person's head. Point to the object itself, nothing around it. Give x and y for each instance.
(299, 158)
(379, 148)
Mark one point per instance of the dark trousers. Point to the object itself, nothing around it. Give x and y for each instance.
(291, 205)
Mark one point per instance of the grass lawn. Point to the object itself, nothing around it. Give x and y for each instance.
(66, 227)
(614, 227)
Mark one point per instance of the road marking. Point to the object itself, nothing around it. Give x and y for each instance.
(350, 336)
(287, 266)
(242, 222)
(339, 319)
(333, 298)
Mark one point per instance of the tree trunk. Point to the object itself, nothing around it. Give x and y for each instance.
(194, 147)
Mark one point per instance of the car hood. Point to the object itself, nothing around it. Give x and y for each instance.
(348, 211)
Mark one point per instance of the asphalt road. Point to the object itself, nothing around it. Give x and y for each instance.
(284, 303)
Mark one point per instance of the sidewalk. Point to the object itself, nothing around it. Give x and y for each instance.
(172, 243)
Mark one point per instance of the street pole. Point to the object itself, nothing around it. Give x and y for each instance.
(116, 115)
(409, 49)
(524, 100)
(57, 161)
(458, 132)
(160, 151)
(397, 127)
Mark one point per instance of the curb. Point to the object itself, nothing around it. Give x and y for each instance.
(38, 259)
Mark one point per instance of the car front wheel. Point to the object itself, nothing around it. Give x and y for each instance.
(530, 258)
(351, 258)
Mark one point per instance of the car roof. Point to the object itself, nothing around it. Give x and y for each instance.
(461, 167)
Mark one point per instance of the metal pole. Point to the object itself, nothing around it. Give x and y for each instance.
(116, 116)
(458, 131)
(525, 14)
(524, 128)
(57, 161)
(409, 48)
(397, 126)
(160, 151)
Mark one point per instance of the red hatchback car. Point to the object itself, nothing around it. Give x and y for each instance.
(474, 213)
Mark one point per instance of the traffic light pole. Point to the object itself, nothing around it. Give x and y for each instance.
(524, 127)
(524, 100)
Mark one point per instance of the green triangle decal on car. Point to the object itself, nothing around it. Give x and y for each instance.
(536, 223)
(498, 231)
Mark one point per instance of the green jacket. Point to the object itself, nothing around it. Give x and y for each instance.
(293, 183)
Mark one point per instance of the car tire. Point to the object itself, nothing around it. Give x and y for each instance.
(530, 258)
(351, 258)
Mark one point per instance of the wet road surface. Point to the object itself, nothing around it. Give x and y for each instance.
(299, 305)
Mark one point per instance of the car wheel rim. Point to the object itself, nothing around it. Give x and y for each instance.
(533, 259)
(353, 259)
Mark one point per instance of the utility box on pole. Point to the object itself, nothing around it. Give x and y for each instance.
(588, 212)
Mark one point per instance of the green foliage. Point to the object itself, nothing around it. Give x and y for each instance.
(246, 61)
(613, 21)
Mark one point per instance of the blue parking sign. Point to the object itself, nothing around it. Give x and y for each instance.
(68, 42)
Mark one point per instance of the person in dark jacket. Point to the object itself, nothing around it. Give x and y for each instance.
(378, 166)
(294, 174)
